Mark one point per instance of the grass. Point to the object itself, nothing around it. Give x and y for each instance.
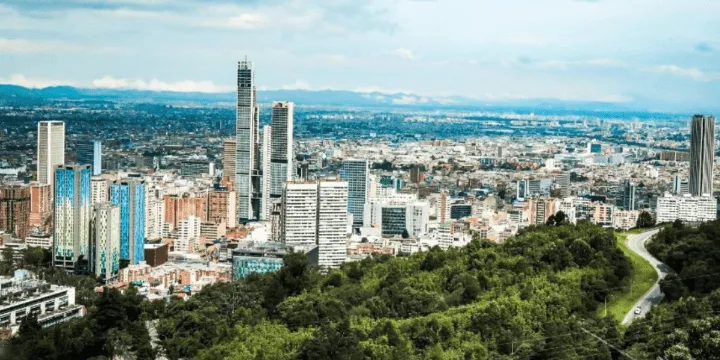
(643, 278)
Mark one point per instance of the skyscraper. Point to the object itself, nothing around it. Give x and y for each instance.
(702, 154)
(356, 172)
(105, 240)
(72, 215)
(247, 173)
(265, 161)
(90, 152)
(129, 194)
(628, 199)
(51, 149)
(229, 158)
(299, 213)
(281, 154)
(15, 210)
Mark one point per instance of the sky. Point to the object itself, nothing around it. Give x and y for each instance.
(654, 52)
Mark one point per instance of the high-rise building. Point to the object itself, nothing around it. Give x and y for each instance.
(129, 194)
(248, 176)
(229, 158)
(50, 149)
(72, 215)
(221, 207)
(281, 156)
(15, 210)
(563, 183)
(702, 155)
(266, 154)
(628, 199)
(90, 152)
(356, 172)
(315, 213)
(395, 216)
(105, 240)
(681, 186)
(179, 206)
(41, 209)
(100, 190)
(332, 223)
(188, 235)
(298, 217)
(417, 174)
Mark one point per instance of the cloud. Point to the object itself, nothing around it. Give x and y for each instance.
(298, 85)
(690, 73)
(703, 47)
(405, 53)
(409, 100)
(24, 46)
(204, 86)
(21, 80)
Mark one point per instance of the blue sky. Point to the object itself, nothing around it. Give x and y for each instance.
(644, 51)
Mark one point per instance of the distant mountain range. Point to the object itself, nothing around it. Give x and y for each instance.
(15, 94)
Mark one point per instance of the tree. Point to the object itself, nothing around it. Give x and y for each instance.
(645, 220)
(34, 256)
(560, 218)
(339, 342)
(7, 263)
(405, 234)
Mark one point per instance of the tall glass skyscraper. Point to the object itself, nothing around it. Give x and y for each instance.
(281, 158)
(356, 173)
(702, 155)
(248, 176)
(90, 153)
(129, 194)
(72, 215)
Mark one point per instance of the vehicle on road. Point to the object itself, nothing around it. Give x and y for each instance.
(638, 310)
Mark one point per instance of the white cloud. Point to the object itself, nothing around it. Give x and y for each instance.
(298, 85)
(110, 82)
(691, 73)
(409, 99)
(405, 53)
(24, 46)
(21, 80)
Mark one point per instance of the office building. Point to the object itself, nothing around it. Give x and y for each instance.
(15, 210)
(281, 157)
(625, 219)
(72, 215)
(397, 216)
(178, 207)
(628, 198)
(603, 215)
(332, 223)
(265, 155)
(229, 158)
(459, 211)
(445, 235)
(540, 210)
(356, 173)
(90, 152)
(252, 257)
(417, 174)
(563, 184)
(129, 194)
(680, 186)
(50, 149)
(23, 296)
(248, 176)
(315, 213)
(41, 206)
(702, 155)
(154, 211)
(105, 241)
(156, 254)
(692, 209)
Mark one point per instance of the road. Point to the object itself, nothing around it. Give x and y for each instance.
(652, 297)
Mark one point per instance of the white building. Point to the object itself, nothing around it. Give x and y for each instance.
(445, 237)
(50, 149)
(332, 222)
(266, 153)
(394, 216)
(315, 213)
(188, 234)
(246, 130)
(106, 240)
(100, 190)
(40, 240)
(625, 219)
(21, 296)
(686, 208)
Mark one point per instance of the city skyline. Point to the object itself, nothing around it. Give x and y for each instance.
(617, 52)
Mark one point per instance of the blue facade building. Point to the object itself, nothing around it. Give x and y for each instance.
(129, 195)
(72, 215)
(90, 153)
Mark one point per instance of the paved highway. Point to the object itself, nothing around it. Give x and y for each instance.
(636, 243)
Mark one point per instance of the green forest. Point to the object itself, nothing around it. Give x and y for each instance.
(534, 297)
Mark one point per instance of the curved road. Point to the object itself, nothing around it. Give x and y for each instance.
(652, 297)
